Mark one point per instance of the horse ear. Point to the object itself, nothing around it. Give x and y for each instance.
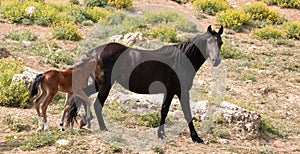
(220, 30)
(209, 29)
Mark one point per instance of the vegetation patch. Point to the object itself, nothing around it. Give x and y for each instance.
(211, 7)
(229, 51)
(12, 94)
(292, 29)
(284, 3)
(269, 32)
(236, 19)
(260, 12)
(67, 31)
(19, 35)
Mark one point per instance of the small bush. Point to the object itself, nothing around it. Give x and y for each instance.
(77, 14)
(149, 120)
(67, 31)
(59, 57)
(284, 3)
(229, 51)
(211, 7)
(95, 13)
(115, 18)
(163, 16)
(74, 1)
(292, 29)
(170, 18)
(260, 11)
(18, 35)
(235, 19)
(12, 94)
(119, 4)
(163, 33)
(269, 32)
(92, 3)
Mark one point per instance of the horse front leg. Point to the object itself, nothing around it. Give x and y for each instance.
(164, 112)
(185, 105)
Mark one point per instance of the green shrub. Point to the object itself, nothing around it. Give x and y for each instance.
(67, 31)
(260, 11)
(95, 13)
(149, 120)
(18, 35)
(235, 19)
(115, 18)
(211, 7)
(163, 33)
(12, 94)
(74, 1)
(119, 4)
(163, 16)
(292, 29)
(17, 13)
(77, 14)
(48, 13)
(170, 18)
(15, 95)
(59, 57)
(284, 3)
(269, 32)
(229, 51)
(92, 3)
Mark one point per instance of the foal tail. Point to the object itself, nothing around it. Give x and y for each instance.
(35, 85)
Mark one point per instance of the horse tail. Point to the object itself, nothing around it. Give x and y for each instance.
(73, 110)
(35, 85)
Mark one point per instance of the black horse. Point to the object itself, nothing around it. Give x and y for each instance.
(169, 70)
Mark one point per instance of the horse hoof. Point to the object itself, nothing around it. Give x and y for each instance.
(104, 129)
(197, 140)
(62, 129)
(82, 123)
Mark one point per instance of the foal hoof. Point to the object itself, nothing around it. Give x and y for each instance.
(197, 140)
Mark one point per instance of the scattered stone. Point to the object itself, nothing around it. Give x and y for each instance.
(128, 39)
(30, 10)
(27, 76)
(26, 43)
(245, 120)
(62, 142)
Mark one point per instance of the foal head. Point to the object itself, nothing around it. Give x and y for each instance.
(213, 46)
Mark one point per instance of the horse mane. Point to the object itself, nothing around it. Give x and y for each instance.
(191, 48)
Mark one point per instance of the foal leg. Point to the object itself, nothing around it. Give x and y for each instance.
(37, 104)
(44, 106)
(164, 112)
(66, 107)
(185, 105)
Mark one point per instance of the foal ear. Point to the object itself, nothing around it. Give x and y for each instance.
(209, 29)
(220, 30)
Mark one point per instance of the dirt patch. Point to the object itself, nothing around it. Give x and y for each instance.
(4, 53)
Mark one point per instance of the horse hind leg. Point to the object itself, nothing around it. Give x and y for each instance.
(40, 99)
(44, 107)
(164, 112)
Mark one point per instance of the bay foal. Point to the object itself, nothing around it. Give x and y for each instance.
(71, 81)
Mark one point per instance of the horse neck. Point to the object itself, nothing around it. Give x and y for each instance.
(194, 49)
